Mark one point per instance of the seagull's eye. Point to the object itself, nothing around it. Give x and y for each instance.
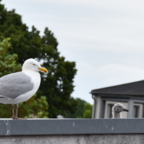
(34, 64)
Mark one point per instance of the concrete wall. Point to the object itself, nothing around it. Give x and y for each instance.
(74, 139)
(72, 131)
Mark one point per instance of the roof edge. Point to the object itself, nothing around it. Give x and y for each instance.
(116, 85)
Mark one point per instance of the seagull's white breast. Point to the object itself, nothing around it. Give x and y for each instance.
(35, 79)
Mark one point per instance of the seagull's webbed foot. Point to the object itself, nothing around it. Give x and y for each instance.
(16, 118)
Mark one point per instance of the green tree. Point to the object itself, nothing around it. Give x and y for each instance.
(81, 109)
(34, 107)
(57, 86)
(87, 110)
(8, 62)
(78, 108)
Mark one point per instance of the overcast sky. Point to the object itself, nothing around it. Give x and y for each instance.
(104, 37)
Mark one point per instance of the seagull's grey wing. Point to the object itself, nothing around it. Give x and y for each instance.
(15, 84)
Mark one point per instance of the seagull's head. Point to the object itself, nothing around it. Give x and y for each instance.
(31, 64)
(118, 107)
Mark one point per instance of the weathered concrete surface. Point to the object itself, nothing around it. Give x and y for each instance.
(74, 139)
(72, 131)
(71, 127)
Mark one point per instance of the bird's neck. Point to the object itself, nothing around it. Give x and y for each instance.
(116, 115)
(31, 73)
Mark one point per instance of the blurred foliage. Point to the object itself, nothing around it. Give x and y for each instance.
(78, 108)
(87, 110)
(81, 109)
(8, 62)
(34, 107)
(57, 86)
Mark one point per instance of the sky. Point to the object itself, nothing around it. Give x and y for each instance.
(104, 38)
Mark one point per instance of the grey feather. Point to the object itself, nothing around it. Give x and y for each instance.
(15, 84)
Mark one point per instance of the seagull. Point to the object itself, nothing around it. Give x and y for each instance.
(116, 109)
(20, 86)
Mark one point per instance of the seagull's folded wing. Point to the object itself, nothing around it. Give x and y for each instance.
(15, 84)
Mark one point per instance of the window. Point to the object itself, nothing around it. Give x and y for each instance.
(137, 110)
(110, 110)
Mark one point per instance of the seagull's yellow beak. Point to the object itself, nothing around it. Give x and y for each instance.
(43, 69)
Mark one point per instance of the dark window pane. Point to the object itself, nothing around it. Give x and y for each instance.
(110, 110)
(135, 111)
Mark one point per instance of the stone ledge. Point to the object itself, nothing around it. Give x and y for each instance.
(39, 127)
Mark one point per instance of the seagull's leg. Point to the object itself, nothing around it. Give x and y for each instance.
(17, 106)
(16, 114)
(13, 111)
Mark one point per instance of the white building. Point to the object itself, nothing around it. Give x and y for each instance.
(131, 95)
